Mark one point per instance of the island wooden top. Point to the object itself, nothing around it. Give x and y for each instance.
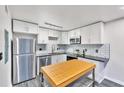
(64, 73)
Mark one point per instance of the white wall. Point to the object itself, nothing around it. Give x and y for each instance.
(114, 34)
(5, 69)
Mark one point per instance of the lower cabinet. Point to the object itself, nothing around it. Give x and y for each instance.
(99, 70)
(58, 58)
(54, 59)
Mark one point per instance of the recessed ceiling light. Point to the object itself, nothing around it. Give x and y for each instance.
(122, 7)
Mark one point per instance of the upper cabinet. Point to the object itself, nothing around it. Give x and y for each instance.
(46, 36)
(92, 34)
(74, 33)
(53, 33)
(85, 35)
(24, 27)
(64, 38)
(42, 36)
(54, 36)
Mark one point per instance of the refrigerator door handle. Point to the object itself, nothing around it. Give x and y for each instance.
(18, 73)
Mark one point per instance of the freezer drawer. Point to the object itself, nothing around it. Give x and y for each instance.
(23, 68)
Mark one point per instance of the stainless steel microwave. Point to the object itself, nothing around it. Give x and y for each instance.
(75, 40)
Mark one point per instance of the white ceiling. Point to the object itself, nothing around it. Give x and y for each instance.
(67, 16)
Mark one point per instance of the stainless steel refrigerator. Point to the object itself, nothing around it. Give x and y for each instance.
(23, 58)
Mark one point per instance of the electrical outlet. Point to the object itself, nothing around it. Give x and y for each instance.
(97, 50)
(1, 55)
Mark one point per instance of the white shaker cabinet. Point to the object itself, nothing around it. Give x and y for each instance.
(64, 38)
(24, 27)
(53, 33)
(59, 37)
(96, 33)
(42, 36)
(58, 58)
(85, 35)
(62, 57)
(54, 59)
(71, 34)
(92, 34)
(99, 70)
(74, 33)
(77, 32)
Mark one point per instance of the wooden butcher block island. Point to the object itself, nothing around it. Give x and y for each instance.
(64, 73)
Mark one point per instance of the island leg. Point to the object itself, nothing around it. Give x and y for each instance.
(93, 77)
(42, 80)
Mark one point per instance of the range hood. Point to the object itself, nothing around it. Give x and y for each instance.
(52, 38)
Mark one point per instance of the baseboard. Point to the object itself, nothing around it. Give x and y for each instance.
(101, 80)
(98, 80)
(115, 80)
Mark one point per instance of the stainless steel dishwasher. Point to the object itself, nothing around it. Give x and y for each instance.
(42, 61)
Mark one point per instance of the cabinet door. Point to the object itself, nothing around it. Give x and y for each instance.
(71, 34)
(64, 38)
(61, 58)
(32, 28)
(59, 37)
(43, 36)
(24, 27)
(77, 32)
(19, 26)
(99, 70)
(56, 33)
(85, 35)
(50, 33)
(53, 33)
(92, 34)
(74, 33)
(99, 65)
(58, 58)
(54, 59)
(64, 57)
(95, 31)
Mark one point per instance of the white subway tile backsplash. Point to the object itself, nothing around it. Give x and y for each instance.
(103, 49)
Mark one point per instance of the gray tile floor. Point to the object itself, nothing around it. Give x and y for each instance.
(82, 82)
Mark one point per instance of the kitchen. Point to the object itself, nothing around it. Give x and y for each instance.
(50, 38)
